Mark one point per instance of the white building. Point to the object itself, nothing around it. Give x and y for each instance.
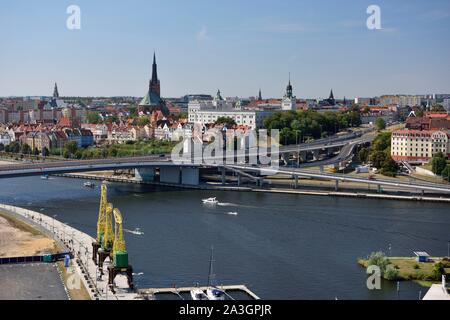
(419, 145)
(5, 138)
(289, 101)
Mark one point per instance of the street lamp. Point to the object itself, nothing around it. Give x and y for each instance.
(53, 226)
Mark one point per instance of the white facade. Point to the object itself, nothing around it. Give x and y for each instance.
(5, 138)
(420, 146)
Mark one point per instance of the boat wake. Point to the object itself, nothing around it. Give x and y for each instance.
(232, 213)
(226, 204)
(136, 231)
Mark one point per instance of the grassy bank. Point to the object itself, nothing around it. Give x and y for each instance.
(424, 273)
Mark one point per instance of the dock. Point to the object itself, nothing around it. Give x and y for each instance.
(177, 291)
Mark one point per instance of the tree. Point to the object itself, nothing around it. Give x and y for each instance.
(363, 154)
(26, 149)
(380, 124)
(35, 151)
(2, 147)
(45, 152)
(389, 167)
(378, 259)
(438, 163)
(71, 147)
(446, 173)
(229, 122)
(93, 118)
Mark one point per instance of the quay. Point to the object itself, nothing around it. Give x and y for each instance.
(220, 187)
(83, 270)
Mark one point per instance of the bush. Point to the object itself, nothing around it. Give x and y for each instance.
(438, 271)
(438, 163)
(378, 259)
(391, 273)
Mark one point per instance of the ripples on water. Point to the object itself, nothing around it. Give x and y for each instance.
(281, 246)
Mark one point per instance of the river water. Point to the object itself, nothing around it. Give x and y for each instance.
(280, 246)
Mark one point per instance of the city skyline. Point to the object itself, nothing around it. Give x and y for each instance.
(239, 48)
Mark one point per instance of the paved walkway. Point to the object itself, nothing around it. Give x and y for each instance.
(436, 292)
(81, 245)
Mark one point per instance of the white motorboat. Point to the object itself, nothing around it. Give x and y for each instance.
(89, 184)
(45, 177)
(210, 201)
(197, 294)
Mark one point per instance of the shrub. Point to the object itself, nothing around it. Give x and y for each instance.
(378, 259)
(391, 273)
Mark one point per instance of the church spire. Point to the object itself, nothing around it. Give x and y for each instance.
(289, 88)
(155, 86)
(154, 69)
(259, 95)
(55, 91)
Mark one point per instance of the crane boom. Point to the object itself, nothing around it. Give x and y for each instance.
(108, 238)
(101, 223)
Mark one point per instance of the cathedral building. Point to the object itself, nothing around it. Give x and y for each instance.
(152, 100)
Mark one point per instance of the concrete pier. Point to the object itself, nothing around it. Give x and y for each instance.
(80, 244)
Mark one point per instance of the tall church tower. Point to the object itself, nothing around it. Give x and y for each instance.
(55, 91)
(155, 85)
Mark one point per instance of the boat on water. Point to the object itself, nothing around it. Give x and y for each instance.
(198, 294)
(232, 213)
(136, 231)
(215, 294)
(210, 201)
(45, 177)
(89, 184)
(212, 292)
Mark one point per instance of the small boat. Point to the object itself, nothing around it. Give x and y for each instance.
(89, 184)
(215, 294)
(197, 294)
(136, 231)
(210, 201)
(232, 213)
(45, 177)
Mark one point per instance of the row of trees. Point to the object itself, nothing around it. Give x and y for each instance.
(440, 166)
(17, 148)
(379, 155)
(296, 126)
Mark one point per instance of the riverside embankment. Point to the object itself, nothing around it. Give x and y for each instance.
(82, 271)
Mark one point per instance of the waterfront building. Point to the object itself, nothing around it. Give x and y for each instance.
(419, 145)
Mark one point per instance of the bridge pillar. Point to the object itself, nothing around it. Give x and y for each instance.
(379, 189)
(303, 156)
(296, 182)
(239, 179)
(223, 173)
(336, 185)
(321, 169)
(190, 176)
(170, 174)
(144, 174)
(316, 155)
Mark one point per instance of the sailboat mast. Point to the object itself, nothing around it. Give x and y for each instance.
(210, 275)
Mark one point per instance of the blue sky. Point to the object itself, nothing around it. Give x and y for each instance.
(237, 46)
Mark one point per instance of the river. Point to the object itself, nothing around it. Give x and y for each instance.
(280, 246)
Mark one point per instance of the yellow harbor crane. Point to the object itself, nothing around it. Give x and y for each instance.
(119, 253)
(110, 242)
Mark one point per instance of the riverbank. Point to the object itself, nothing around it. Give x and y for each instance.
(424, 273)
(20, 239)
(302, 190)
(81, 276)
